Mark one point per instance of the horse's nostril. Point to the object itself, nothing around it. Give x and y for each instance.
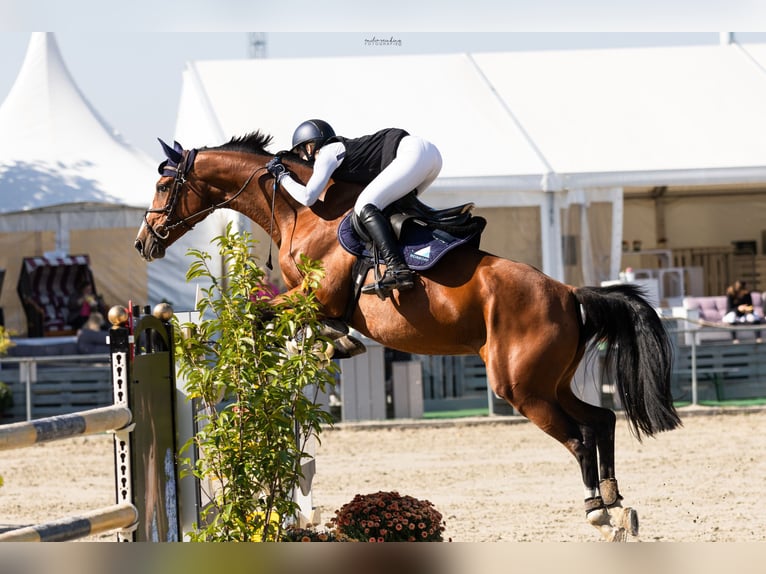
(139, 246)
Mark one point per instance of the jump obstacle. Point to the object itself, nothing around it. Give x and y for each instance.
(149, 418)
(143, 421)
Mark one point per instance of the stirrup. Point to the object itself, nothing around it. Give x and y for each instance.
(401, 280)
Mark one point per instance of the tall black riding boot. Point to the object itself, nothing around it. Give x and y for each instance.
(397, 275)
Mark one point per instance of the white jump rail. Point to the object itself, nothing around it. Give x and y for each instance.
(93, 421)
(117, 516)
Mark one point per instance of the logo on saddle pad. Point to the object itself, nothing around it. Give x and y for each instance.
(422, 254)
(422, 246)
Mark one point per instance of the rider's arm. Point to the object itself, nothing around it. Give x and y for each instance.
(326, 161)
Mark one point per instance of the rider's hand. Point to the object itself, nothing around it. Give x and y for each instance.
(275, 167)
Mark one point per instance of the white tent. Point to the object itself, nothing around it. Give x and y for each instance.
(70, 184)
(563, 137)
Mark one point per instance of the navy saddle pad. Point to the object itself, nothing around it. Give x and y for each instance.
(422, 246)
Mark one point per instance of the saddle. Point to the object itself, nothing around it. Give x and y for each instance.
(425, 236)
(410, 207)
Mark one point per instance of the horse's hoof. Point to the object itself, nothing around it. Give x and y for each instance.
(347, 347)
(626, 518)
(630, 521)
(333, 328)
(614, 527)
(618, 535)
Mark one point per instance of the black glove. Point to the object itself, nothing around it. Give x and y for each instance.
(275, 167)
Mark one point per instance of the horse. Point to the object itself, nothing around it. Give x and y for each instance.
(530, 330)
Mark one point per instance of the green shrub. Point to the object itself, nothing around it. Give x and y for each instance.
(257, 412)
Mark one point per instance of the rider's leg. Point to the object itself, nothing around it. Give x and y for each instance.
(398, 275)
(415, 167)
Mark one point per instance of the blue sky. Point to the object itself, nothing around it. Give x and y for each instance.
(128, 61)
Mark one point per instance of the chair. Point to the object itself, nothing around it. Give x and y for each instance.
(45, 286)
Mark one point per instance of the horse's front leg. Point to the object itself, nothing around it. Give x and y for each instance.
(344, 345)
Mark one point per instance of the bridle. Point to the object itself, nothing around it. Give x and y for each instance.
(179, 170)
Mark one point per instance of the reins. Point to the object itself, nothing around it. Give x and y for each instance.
(271, 223)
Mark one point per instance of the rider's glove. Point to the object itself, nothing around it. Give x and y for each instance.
(275, 167)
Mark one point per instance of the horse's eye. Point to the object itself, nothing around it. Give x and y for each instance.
(162, 188)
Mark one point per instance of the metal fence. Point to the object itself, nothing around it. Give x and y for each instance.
(53, 385)
(716, 369)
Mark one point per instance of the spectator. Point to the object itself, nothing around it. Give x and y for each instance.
(82, 303)
(739, 309)
(91, 339)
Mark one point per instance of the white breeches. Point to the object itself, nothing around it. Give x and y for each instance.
(415, 167)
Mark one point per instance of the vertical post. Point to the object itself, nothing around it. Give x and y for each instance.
(28, 374)
(189, 495)
(407, 378)
(362, 386)
(146, 457)
(119, 347)
(694, 369)
(302, 494)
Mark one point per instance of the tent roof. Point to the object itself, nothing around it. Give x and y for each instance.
(56, 149)
(513, 121)
(664, 116)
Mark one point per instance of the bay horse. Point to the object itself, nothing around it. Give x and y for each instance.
(530, 330)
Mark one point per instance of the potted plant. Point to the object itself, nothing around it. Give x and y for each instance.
(389, 517)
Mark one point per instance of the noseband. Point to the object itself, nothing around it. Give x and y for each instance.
(179, 171)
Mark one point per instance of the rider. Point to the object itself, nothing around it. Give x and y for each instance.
(389, 163)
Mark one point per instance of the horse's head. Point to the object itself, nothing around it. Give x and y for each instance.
(192, 185)
(176, 206)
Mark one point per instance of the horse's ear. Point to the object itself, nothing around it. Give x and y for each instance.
(174, 155)
(178, 147)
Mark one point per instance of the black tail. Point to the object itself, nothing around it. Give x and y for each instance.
(639, 356)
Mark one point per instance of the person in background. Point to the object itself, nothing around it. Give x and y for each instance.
(82, 303)
(739, 309)
(91, 339)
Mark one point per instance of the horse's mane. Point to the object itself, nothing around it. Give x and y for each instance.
(256, 142)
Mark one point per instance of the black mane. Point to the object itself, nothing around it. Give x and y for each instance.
(256, 142)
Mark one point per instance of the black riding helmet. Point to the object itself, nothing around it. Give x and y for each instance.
(318, 131)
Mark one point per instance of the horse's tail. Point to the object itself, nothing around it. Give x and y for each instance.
(639, 355)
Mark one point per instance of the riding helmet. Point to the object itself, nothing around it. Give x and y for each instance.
(318, 131)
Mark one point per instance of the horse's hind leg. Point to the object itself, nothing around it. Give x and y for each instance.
(583, 441)
(532, 382)
(597, 426)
